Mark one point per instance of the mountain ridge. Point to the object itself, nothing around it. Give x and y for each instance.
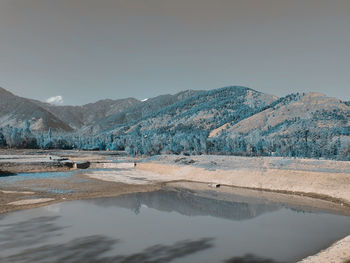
(15, 111)
(88, 114)
(230, 120)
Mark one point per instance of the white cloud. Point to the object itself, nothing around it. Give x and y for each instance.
(55, 100)
(144, 100)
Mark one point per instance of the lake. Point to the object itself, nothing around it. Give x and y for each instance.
(167, 226)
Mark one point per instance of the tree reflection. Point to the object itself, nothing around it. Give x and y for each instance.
(249, 258)
(29, 232)
(6, 173)
(91, 249)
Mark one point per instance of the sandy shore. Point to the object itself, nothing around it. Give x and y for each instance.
(338, 252)
(317, 184)
(323, 178)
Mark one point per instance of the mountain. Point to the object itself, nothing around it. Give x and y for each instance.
(15, 111)
(80, 117)
(143, 110)
(230, 120)
(298, 125)
(90, 118)
(294, 113)
(204, 110)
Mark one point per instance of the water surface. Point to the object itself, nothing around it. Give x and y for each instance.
(166, 226)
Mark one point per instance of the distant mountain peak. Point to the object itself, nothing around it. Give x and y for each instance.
(15, 111)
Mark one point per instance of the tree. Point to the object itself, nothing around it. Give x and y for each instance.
(2, 139)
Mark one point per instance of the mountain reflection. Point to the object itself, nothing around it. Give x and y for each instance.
(188, 204)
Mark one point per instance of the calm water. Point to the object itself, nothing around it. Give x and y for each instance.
(166, 226)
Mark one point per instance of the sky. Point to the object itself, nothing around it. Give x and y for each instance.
(79, 51)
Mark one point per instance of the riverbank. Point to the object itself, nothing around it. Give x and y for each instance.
(30, 178)
(324, 179)
(316, 184)
(308, 179)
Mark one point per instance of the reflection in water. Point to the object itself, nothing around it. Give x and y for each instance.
(189, 204)
(91, 249)
(25, 233)
(101, 231)
(249, 258)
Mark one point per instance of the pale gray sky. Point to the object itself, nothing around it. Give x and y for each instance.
(85, 50)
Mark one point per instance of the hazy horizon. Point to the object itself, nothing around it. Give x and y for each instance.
(75, 52)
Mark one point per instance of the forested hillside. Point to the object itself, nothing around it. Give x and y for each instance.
(232, 120)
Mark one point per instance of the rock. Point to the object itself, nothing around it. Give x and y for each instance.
(57, 158)
(81, 165)
(184, 160)
(190, 161)
(68, 163)
(180, 159)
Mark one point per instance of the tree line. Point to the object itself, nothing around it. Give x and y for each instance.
(330, 143)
